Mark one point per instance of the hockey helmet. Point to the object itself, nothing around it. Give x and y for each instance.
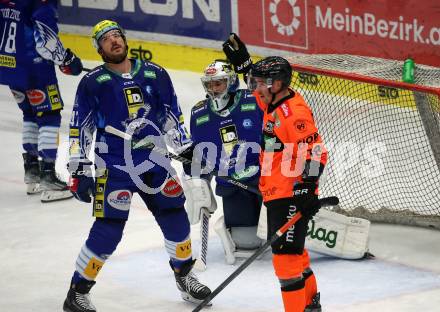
(100, 29)
(220, 81)
(270, 68)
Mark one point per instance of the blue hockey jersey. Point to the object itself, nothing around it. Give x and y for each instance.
(236, 134)
(142, 103)
(28, 38)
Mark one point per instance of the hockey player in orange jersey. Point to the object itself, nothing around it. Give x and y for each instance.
(292, 160)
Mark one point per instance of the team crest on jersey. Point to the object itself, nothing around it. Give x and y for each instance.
(134, 99)
(229, 138)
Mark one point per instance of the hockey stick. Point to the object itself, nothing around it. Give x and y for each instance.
(204, 234)
(204, 224)
(165, 152)
(87, 70)
(328, 201)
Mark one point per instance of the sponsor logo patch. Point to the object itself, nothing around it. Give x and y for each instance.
(134, 99)
(248, 107)
(54, 97)
(300, 125)
(7, 61)
(247, 123)
(36, 97)
(103, 78)
(120, 199)
(229, 138)
(183, 250)
(172, 188)
(93, 268)
(202, 120)
(149, 74)
(286, 110)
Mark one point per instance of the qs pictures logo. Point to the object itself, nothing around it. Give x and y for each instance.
(285, 23)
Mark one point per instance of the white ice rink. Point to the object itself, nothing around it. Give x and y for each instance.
(40, 243)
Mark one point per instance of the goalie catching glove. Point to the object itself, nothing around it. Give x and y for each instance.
(237, 54)
(198, 195)
(81, 181)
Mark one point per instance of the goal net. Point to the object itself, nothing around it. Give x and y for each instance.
(383, 135)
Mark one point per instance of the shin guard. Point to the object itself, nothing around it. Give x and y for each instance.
(309, 278)
(288, 269)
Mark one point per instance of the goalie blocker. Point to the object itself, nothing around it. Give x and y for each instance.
(331, 234)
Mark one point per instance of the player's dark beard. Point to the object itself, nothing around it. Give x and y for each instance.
(115, 59)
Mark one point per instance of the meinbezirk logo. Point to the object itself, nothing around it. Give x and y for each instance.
(285, 23)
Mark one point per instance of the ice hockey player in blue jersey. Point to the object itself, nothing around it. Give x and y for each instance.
(137, 98)
(230, 121)
(29, 50)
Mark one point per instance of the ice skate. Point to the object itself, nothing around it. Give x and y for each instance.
(78, 298)
(315, 306)
(188, 284)
(52, 188)
(31, 174)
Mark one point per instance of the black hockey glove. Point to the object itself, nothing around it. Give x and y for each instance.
(72, 64)
(81, 182)
(305, 199)
(237, 54)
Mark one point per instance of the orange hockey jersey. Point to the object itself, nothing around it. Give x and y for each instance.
(290, 138)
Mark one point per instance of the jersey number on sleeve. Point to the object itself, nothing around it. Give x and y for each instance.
(8, 34)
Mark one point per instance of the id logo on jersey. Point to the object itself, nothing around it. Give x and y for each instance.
(285, 23)
(229, 138)
(134, 99)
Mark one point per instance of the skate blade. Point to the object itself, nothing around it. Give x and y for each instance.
(50, 196)
(33, 188)
(189, 298)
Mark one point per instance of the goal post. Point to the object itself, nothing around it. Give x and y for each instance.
(383, 135)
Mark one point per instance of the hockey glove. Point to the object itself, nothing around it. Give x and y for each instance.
(81, 182)
(305, 199)
(237, 54)
(72, 64)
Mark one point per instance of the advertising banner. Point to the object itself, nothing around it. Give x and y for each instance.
(391, 29)
(204, 19)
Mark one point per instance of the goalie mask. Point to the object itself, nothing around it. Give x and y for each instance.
(270, 69)
(220, 82)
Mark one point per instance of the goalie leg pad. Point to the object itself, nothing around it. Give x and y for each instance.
(336, 235)
(245, 237)
(226, 240)
(240, 207)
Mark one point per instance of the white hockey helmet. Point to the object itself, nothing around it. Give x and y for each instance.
(220, 81)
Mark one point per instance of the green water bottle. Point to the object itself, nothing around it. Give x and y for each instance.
(408, 71)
